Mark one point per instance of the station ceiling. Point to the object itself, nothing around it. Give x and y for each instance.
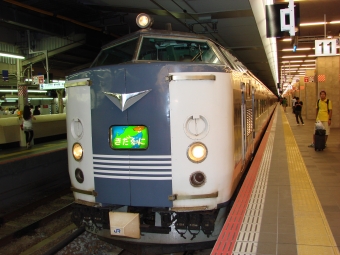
(86, 25)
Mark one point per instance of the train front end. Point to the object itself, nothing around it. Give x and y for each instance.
(150, 140)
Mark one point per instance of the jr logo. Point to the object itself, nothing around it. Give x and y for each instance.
(117, 231)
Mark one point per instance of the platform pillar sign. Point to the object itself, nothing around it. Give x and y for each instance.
(38, 79)
(326, 47)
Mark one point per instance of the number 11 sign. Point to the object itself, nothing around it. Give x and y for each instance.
(326, 47)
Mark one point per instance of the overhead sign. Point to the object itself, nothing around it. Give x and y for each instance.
(38, 79)
(54, 85)
(288, 13)
(275, 19)
(326, 47)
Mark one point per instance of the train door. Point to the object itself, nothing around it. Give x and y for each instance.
(247, 121)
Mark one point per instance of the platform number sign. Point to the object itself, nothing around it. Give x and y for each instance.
(326, 47)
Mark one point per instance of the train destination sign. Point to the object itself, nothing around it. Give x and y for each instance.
(54, 85)
(129, 137)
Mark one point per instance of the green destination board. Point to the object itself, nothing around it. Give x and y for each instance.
(129, 137)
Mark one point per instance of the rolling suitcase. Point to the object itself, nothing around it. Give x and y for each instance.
(320, 140)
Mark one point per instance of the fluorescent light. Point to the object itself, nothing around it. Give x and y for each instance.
(30, 98)
(308, 65)
(335, 22)
(309, 60)
(10, 55)
(290, 49)
(313, 24)
(295, 56)
(293, 61)
(29, 91)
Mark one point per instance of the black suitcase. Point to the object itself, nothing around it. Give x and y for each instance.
(320, 140)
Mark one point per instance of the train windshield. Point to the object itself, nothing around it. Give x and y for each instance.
(117, 54)
(165, 49)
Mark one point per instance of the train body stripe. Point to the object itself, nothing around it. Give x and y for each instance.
(130, 161)
(130, 167)
(132, 177)
(132, 156)
(133, 172)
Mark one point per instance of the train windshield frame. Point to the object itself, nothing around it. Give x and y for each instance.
(117, 54)
(156, 48)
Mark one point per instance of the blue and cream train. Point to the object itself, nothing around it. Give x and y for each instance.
(160, 129)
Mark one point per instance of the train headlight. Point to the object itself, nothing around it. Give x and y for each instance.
(197, 179)
(144, 20)
(77, 151)
(197, 152)
(79, 175)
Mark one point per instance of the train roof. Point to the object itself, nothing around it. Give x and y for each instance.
(230, 59)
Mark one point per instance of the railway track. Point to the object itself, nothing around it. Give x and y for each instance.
(25, 231)
(8, 215)
(24, 222)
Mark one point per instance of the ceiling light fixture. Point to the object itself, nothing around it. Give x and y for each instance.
(11, 55)
(293, 61)
(298, 49)
(297, 56)
(29, 91)
(312, 24)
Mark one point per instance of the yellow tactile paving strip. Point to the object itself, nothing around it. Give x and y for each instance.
(313, 234)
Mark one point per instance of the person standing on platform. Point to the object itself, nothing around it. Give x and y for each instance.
(323, 114)
(284, 103)
(7, 112)
(293, 104)
(27, 125)
(36, 110)
(297, 111)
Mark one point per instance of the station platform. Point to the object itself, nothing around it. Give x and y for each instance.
(289, 203)
(20, 153)
(29, 174)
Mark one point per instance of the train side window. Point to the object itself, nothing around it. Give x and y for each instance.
(172, 49)
(116, 54)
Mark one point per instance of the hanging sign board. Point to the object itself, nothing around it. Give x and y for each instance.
(54, 85)
(38, 79)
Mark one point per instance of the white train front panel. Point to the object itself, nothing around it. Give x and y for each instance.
(201, 110)
(79, 136)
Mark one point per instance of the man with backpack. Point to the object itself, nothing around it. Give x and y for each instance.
(323, 114)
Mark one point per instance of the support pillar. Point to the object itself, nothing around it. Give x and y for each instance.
(22, 100)
(60, 93)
